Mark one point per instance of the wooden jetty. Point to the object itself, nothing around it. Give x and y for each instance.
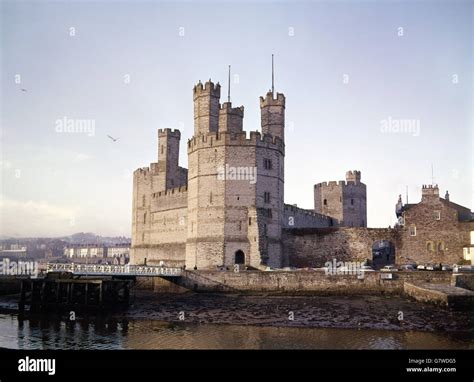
(64, 292)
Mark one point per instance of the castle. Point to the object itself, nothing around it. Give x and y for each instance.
(228, 208)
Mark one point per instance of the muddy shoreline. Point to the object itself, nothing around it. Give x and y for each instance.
(359, 312)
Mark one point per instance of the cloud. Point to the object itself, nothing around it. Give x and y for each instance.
(36, 218)
(4, 164)
(81, 157)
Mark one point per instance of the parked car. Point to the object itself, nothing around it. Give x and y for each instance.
(367, 268)
(446, 268)
(433, 267)
(407, 267)
(463, 268)
(421, 267)
(389, 268)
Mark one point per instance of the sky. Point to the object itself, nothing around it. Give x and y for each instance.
(351, 71)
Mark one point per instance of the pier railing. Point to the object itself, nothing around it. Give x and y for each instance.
(113, 270)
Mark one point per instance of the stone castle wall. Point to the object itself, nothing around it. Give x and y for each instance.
(313, 247)
(294, 217)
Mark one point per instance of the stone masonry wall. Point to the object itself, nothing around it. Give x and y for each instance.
(314, 247)
(432, 233)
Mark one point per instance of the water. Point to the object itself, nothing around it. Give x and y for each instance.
(152, 334)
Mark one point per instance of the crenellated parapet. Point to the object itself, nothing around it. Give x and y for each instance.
(170, 192)
(335, 183)
(169, 133)
(235, 139)
(227, 108)
(269, 100)
(209, 89)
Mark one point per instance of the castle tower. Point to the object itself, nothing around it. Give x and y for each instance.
(168, 155)
(344, 201)
(231, 119)
(206, 107)
(353, 176)
(272, 111)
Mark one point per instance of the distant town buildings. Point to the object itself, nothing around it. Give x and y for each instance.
(97, 253)
(13, 251)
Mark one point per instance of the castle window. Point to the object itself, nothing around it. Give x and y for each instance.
(143, 236)
(325, 202)
(144, 218)
(267, 164)
(412, 230)
(437, 215)
(352, 202)
(266, 197)
(250, 221)
(240, 226)
(143, 201)
(430, 246)
(264, 230)
(440, 246)
(210, 198)
(162, 149)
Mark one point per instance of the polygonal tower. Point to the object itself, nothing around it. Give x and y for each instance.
(344, 201)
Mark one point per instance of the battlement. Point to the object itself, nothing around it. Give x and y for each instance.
(208, 89)
(169, 133)
(270, 101)
(226, 107)
(335, 183)
(294, 209)
(172, 191)
(353, 176)
(213, 139)
(141, 171)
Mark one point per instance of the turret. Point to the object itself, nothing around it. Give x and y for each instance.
(206, 107)
(353, 176)
(231, 119)
(273, 115)
(168, 155)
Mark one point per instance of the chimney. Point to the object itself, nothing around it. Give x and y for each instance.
(447, 196)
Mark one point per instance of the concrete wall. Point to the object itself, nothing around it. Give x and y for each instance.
(465, 281)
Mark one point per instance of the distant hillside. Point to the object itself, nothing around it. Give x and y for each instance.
(90, 238)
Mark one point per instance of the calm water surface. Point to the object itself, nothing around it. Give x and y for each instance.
(151, 334)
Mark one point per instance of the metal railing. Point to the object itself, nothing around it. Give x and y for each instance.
(113, 270)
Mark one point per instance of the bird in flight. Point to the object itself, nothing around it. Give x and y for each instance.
(114, 139)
